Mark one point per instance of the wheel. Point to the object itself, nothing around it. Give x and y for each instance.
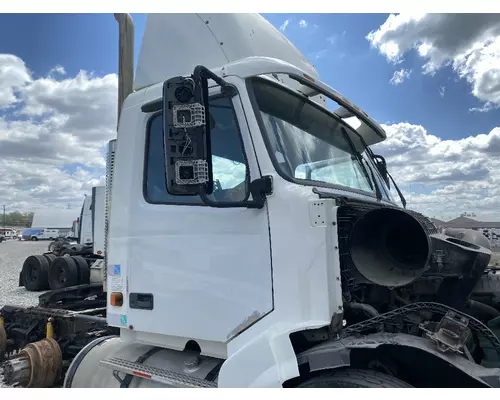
(63, 273)
(354, 378)
(34, 239)
(35, 273)
(83, 270)
(50, 257)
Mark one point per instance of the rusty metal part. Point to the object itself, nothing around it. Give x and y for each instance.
(38, 365)
(3, 341)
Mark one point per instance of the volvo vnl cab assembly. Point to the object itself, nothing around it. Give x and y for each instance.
(254, 238)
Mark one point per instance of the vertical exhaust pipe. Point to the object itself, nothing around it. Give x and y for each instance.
(125, 58)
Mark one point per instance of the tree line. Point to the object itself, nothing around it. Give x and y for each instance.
(16, 218)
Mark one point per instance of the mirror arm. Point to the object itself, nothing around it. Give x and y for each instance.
(203, 72)
(385, 173)
(226, 88)
(259, 189)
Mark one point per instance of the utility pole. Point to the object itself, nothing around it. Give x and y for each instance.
(4, 218)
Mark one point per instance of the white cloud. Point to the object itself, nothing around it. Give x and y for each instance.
(442, 91)
(284, 25)
(303, 23)
(400, 76)
(13, 76)
(442, 177)
(58, 69)
(488, 106)
(469, 43)
(52, 134)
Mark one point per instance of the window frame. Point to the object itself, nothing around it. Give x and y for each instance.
(272, 156)
(178, 199)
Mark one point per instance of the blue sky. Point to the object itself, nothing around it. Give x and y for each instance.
(335, 43)
(444, 156)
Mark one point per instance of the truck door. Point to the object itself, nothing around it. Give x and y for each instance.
(197, 271)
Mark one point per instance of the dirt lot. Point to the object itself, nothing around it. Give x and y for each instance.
(12, 255)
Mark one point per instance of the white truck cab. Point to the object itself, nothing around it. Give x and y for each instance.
(233, 160)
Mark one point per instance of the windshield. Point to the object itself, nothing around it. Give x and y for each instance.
(311, 145)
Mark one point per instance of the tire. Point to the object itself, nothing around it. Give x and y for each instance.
(35, 273)
(34, 239)
(83, 270)
(354, 378)
(63, 273)
(66, 252)
(50, 258)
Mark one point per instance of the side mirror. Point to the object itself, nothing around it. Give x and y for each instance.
(382, 167)
(186, 128)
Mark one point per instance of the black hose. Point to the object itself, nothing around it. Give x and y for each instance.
(401, 300)
(370, 310)
(484, 308)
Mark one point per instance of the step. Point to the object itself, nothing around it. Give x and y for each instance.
(170, 378)
(156, 374)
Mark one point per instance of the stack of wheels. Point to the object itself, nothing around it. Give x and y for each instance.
(66, 271)
(50, 272)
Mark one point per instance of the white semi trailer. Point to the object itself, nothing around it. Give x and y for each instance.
(254, 240)
(92, 220)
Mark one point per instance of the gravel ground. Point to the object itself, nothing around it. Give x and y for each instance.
(12, 256)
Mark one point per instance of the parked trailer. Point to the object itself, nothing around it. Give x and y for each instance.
(299, 271)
